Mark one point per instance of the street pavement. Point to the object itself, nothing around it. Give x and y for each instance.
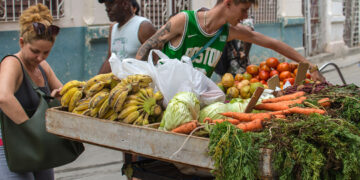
(98, 163)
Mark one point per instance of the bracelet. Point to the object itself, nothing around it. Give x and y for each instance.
(314, 68)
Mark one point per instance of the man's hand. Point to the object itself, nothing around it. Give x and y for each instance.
(317, 76)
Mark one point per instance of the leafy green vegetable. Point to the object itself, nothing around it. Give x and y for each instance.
(183, 108)
(212, 111)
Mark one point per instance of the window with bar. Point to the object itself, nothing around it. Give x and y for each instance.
(351, 10)
(10, 10)
(266, 12)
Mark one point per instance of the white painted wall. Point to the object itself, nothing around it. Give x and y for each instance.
(334, 22)
(196, 4)
(77, 13)
(291, 8)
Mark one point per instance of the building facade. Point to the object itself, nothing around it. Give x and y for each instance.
(309, 26)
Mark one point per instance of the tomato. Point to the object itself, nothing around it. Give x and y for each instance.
(308, 76)
(272, 62)
(257, 77)
(274, 72)
(247, 76)
(239, 77)
(262, 63)
(263, 82)
(252, 69)
(293, 75)
(295, 71)
(254, 80)
(293, 66)
(264, 75)
(291, 80)
(284, 75)
(283, 67)
(264, 68)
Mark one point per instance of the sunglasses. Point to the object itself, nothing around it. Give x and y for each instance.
(102, 1)
(41, 29)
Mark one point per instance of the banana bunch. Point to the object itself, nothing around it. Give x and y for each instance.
(104, 96)
(140, 106)
(71, 94)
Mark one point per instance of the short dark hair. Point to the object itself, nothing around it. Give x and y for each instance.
(240, 1)
(135, 4)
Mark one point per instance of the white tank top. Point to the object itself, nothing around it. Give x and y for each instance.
(124, 40)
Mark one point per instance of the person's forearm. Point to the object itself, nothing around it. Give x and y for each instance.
(105, 68)
(13, 109)
(290, 53)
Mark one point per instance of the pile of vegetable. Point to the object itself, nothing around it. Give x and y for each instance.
(304, 145)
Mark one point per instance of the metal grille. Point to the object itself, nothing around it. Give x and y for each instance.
(10, 10)
(159, 11)
(312, 32)
(351, 29)
(266, 12)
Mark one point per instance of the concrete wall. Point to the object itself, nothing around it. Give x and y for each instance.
(81, 46)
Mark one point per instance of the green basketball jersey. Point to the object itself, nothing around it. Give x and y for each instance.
(194, 38)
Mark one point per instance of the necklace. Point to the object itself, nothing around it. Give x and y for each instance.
(205, 19)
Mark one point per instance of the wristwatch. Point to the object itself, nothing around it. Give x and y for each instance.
(314, 68)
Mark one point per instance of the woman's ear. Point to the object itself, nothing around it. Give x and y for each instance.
(21, 42)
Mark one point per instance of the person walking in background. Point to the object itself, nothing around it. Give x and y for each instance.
(121, 39)
(188, 32)
(135, 6)
(235, 57)
(18, 99)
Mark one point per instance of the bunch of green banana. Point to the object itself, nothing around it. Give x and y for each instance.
(139, 106)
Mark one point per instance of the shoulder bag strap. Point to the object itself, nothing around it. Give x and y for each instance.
(208, 43)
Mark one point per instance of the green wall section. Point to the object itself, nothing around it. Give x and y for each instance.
(287, 30)
(79, 52)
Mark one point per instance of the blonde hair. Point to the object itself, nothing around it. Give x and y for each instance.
(36, 13)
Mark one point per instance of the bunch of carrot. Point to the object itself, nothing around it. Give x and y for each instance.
(277, 107)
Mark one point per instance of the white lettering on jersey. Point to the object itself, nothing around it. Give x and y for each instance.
(209, 57)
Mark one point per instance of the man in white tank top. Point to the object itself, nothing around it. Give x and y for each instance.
(127, 34)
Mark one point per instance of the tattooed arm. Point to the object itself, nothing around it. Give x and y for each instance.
(171, 31)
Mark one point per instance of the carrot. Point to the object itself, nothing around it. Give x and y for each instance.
(232, 121)
(283, 112)
(251, 126)
(239, 116)
(325, 102)
(283, 105)
(244, 117)
(280, 116)
(185, 128)
(285, 97)
(208, 120)
(306, 111)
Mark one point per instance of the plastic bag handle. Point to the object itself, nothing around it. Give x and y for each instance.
(159, 53)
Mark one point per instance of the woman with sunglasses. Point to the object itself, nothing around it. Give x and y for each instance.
(37, 37)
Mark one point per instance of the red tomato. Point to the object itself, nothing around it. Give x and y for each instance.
(295, 71)
(252, 69)
(283, 67)
(272, 62)
(291, 80)
(274, 72)
(262, 63)
(264, 68)
(263, 82)
(293, 66)
(284, 75)
(264, 75)
(253, 80)
(308, 76)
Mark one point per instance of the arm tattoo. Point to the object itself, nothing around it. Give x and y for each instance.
(153, 42)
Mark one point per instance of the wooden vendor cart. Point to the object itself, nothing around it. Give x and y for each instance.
(145, 141)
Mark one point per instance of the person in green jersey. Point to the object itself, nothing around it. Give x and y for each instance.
(187, 32)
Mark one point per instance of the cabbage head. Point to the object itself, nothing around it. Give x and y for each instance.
(212, 111)
(183, 108)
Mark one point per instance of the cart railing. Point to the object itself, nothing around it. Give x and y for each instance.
(337, 69)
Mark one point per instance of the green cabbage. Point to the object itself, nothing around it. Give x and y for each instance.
(183, 108)
(212, 111)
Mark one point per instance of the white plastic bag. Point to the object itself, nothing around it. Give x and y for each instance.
(172, 76)
(123, 68)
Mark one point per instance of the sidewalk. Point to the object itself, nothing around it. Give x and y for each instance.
(101, 163)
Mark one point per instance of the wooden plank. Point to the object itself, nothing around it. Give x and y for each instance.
(144, 141)
(301, 73)
(254, 99)
(141, 140)
(274, 82)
